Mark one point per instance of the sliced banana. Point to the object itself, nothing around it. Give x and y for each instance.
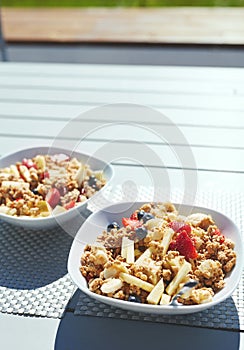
(7, 185)
(80, 175)
(165, 299)
(181, 274)
(40, 162)
(136, 282)
(145, 255)
(156, 293)
(111, 285)
(24, 171)
(168, 234)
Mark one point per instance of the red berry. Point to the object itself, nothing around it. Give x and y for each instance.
(218, 233)
(53, 197)
(28, 163)
(130, 222)
(184, 245)
(62, 191)
(179, 226)
(44, 175)
(134, 216)
(69, 205)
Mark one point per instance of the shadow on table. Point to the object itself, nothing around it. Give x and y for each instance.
(32, 259)
(91, 333)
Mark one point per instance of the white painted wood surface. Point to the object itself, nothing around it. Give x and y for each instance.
(206, 104)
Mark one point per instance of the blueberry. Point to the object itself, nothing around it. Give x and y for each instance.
(112, 226)
(147, 217)
(92, 181)
(140, 214)
(141, 232)
(34, 191)
(134, 298)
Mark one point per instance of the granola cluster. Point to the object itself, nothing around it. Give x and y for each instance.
(155, 253)
(46, 184)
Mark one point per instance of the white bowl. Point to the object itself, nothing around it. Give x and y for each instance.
(71, 214)
(99, 221)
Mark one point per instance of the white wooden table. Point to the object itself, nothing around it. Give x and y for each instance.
(206, 105)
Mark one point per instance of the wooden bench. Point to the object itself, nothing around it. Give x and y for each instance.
(129, 26)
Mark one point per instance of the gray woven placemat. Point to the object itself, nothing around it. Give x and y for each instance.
(227, 315)
(33, 274)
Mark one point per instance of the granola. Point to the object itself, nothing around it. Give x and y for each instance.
(154, 253)
(47, 184)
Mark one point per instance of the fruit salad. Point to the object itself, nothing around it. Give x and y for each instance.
(154, 253)
(47, 185)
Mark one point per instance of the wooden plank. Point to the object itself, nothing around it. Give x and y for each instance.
(151, 25)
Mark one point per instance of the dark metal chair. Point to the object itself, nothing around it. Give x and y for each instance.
(3, 49)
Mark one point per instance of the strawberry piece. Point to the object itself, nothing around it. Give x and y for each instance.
(69, 205)
(57, 158)
(184, 245)
(179, 226)
(44, 175)
(53, 197)
(28, 163)
(134, 216)
(132, 223)
(218, 233)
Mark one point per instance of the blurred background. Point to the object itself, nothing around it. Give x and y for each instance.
(155, 32)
